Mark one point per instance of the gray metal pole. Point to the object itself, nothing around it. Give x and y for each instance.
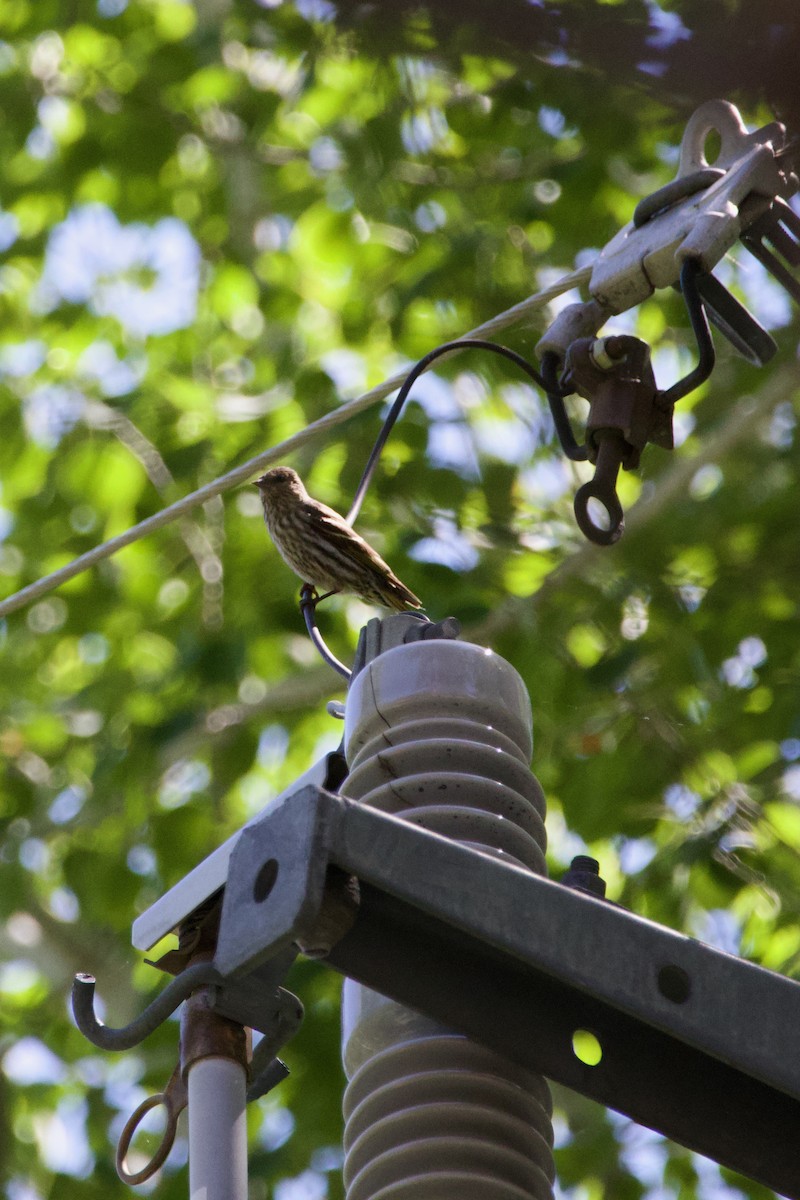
(217, 1130)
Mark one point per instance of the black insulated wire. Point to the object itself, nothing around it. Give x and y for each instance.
(408, 383)
(691, 271)
(555, 398)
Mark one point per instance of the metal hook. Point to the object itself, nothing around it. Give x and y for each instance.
(174, 1099)
(125, 1038)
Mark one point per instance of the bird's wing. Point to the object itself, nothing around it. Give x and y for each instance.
(341, 536)
(329, 524)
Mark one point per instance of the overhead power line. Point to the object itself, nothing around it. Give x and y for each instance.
(240, 474)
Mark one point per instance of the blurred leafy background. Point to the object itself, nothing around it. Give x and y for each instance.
(219, 220)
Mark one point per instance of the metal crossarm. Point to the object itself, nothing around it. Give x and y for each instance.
(697, 1044)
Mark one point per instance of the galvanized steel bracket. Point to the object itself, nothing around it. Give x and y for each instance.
(697, 1044)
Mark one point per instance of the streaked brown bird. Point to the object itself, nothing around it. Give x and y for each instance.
(322, 548)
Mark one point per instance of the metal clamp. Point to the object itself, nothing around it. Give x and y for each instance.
(615, 376)
(705, 210)
(626, 408)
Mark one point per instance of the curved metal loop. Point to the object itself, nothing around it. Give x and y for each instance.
(174, 1099)
(308, 607)
(125, 1038)
(603, 488)
(402, 396)
(610, 502)
(679, 189)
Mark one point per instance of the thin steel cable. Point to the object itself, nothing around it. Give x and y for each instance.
(242, 473)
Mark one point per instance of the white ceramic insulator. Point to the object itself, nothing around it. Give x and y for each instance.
(440, 733)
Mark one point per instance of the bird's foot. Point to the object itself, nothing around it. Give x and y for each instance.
(309, 598)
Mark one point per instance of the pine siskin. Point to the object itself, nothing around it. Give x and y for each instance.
(322, 548)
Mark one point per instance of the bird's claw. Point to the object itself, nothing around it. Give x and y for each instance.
(310, 598)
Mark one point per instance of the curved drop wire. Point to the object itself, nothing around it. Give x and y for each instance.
(308, 600)
(551, 388)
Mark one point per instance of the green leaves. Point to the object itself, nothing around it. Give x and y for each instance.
(218, 223)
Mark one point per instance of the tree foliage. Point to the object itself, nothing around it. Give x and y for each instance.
(219, 221)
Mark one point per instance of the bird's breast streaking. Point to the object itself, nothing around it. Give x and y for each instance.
(319, 545)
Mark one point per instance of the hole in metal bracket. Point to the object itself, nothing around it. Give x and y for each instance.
(265, 880)
(674, 984)
(586, 1047)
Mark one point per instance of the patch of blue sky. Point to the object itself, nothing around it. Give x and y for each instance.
(63, 904)
(451, 446)
(790, 749)
(327, 1158)
(509, 441)
(61, 1138)
(21, 1189)
(436, 397)
(448, 547)
(424, 130)
(771, 303)
(548, 276)
(29, 1061)
(316, 10)
(430, 216)
(311, 1185)
(147, 277)
(181, 781)
(738, 671)
(712, 1185)
(347, 369)
(277, 1125)
(545, 481)
(273, 746)
(531, 408)
(53, 113)
(790, 783)
(141, 860)
(635, 854)
(782, 425)
(586, 256)
(19, 359)
(9, 230)
(667, 28)
(67, 804)
(40, 143)
(325, 155)
(51, 411)
(642, 1151)
(681, 800)
(114, 376)
(670, 363)
(719, 928)
(553, 122)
